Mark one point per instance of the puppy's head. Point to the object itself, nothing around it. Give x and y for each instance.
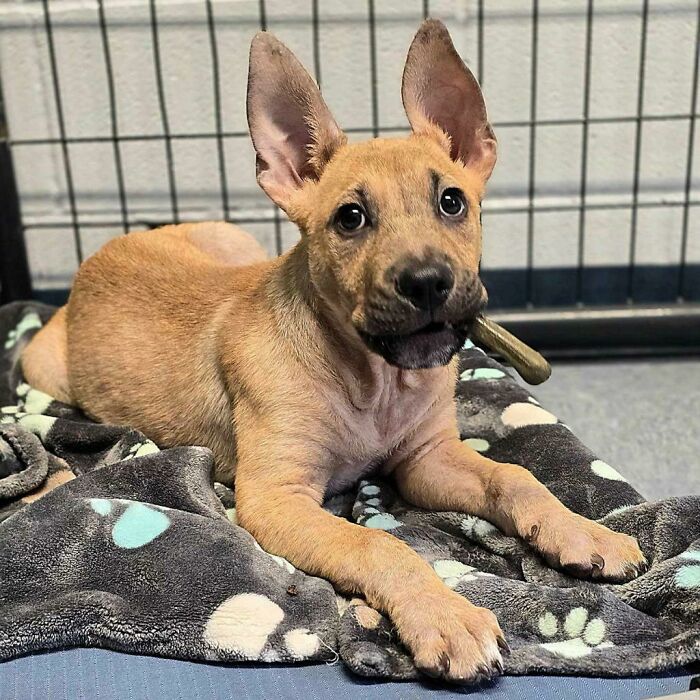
(392, 226)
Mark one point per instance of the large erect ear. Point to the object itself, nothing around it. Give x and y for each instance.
(439, 90)
(293, 131)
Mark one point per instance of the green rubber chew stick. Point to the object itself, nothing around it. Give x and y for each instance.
(529, 364)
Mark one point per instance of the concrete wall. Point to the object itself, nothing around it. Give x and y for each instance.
(345, 70)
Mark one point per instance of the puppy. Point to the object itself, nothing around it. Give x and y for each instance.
(336, 360)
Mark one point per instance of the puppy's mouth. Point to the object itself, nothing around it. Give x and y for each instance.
(432, 328)
(412, 338)
(431, 345)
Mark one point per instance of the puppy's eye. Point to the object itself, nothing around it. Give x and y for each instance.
(350, 218)
(452, 202)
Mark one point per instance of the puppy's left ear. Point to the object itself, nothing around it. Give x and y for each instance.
(438, 90)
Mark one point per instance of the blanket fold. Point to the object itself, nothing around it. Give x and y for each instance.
(105, 540)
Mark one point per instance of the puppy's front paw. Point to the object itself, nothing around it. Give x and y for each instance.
(450, 638)
(586, 549)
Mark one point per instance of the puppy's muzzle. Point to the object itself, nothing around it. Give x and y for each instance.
(422, 314)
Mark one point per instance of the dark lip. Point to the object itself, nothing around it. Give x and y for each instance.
(430, 328)
(431, 345)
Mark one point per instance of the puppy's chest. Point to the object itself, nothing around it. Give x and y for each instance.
(367, 435)
(380, 428)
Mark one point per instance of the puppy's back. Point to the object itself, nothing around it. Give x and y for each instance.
(143, 324)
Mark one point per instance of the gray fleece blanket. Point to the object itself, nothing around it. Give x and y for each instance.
(107, 541)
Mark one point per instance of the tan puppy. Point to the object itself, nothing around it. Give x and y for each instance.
(309, 371)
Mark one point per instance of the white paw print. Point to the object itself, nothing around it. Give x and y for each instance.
(29, 401)
(29, 321)
(140, 449)
(582, 636)
(28, 411)
(453, 572)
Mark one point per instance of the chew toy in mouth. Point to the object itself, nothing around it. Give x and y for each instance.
(528, 363)
(435, 344)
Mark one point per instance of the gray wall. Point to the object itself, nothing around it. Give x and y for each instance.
(345, 70)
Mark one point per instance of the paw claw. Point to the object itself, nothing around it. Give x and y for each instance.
(483, 673)
(503, 645)
(632, 572)
(444, 663)
(597, 561)
(534, 531)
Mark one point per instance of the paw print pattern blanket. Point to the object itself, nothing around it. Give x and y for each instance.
(107, 541)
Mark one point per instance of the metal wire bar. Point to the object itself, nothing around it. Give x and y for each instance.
(276, 220)
(426, 9)
(113, 117)
(608, 206)
(547, 209)
(218, 113)
(685, 230)
(155, 41)
(316, 33)
(584, 153)
(373, 66)
(143, 222)
(67, 169)
(532, 154)
(573, 121)
(480, 41)
(637, 150)
(608, 331)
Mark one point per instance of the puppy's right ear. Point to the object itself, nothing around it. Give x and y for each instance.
(293, 131)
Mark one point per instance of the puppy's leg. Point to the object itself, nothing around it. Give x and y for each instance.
(45, 359)
(278, 500)
(445, 474)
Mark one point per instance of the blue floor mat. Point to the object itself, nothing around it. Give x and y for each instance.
(106, 675)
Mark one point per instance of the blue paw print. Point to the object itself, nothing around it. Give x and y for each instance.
(688, 576)
(382, 521)
(371, 515)
(481, 373)
(137, 526)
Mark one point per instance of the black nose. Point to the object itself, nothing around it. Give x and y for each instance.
(426, 287)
